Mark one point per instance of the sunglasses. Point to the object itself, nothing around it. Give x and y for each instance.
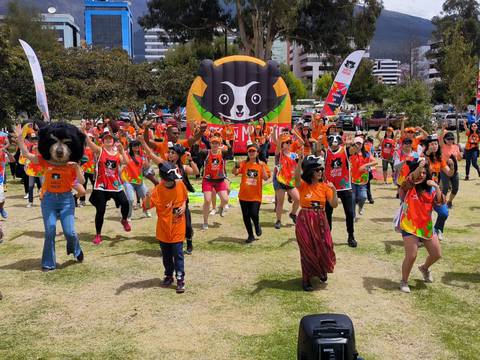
(449, 139)
(318, 169)
(287, 142)
(410, 132)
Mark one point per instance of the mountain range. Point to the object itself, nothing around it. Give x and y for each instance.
(395, 33)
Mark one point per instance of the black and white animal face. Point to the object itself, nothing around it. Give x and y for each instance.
(336, 163)
(61, 142)
(334, 140)
(111, 164)
(59, 150)
(252, 173)
(240, 100)
(239, 90)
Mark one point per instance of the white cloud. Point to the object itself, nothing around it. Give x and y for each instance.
(424, 8)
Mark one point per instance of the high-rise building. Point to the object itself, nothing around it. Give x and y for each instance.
(68, 33)
(109, 24)
(387, 71)
(307, 66)
(280, 51)
(155, 45)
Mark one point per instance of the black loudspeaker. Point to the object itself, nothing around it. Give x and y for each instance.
(326, 337)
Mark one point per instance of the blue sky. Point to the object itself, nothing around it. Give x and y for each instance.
(422, 8)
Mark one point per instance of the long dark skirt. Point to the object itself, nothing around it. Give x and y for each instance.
(315, 242)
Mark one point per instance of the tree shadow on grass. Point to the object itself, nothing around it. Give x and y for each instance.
(371, 284)
(34, 234)
(294, 284)
(142, 284)
(272, 224)
(288, 241)
(34, 265)
(389, 244)
(474, 225)
(381, 220)
(460, 280)
(227, 239)
(153, 253)
(198, 226)
(473, 208)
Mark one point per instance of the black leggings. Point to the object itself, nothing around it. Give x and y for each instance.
(88, 177)
(250, 212)
(188, 221)
(99, 199)
(369, 189)
(348, 208)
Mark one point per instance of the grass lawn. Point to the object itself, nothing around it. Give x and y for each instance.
(242, 301)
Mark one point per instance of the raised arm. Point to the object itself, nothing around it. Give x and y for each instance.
(196, 136)
(298, 171)
(191, 168)
(23, 148)
(155, 158)
(95, 148)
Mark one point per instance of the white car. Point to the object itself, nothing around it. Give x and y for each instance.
(451, 118)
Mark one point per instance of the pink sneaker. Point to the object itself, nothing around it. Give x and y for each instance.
(126, 225)
(97, 240)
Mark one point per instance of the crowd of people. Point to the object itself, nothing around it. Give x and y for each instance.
(316, 166)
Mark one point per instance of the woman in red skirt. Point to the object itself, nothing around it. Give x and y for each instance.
(312, 231)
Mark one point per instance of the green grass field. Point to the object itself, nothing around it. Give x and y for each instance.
(242, 301)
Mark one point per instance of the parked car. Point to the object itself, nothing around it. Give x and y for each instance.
(307, 114)
(450, 119)
(345, 122)
(379, 118)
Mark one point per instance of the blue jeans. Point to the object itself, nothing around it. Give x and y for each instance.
(442, 212)
(130, 190)
(62, 206)
(172, 255)
(359, 194)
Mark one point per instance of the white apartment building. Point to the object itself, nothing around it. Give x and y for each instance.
(155, 47)
(307, 66)
(424, 63)
(387, 71)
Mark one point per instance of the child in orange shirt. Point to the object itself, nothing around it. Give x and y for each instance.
(169, 198)
(253, 172)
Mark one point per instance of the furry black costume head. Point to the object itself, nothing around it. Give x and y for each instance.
(61, 142)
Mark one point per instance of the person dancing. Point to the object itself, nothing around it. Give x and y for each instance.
(419, 194)
(253, 172)
(314, 239)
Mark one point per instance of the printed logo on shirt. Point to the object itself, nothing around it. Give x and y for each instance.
(336, 163)
(56, 176)
(252, 173)
(111, 164)
(315, 204)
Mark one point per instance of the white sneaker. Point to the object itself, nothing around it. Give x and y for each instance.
(404, 287)
(360, 210)
(427, 274)
(29, 205)
(439, 234)
(213, 212)
(148, 214)
(228, 206)
(26, 196)
(135, 207)
(204, 226)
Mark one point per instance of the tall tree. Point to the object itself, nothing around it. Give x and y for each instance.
(295, 86)
(335, 26)
(463, 14)
(459, 69)
(365, 88)
(323, 84)
(25, 22)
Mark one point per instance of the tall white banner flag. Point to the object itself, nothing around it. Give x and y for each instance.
(342, 82)
(37, 79)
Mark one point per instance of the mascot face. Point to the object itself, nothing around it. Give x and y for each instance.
(61, 142)
(239, 95)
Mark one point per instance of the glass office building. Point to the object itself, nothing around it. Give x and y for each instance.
(108, 24)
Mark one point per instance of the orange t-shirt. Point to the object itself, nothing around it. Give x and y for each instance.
(472, 140)
(170, 227)
(228, 133)
(314, 195)
(296, 147)
(161, 148)
(358, 160)
(58, 179)
(252, 180)
(435, 169)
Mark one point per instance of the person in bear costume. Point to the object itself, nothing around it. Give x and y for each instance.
(60, 149)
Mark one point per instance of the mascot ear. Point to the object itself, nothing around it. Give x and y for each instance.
(206, 70)
(273, 72)
(40, 123)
